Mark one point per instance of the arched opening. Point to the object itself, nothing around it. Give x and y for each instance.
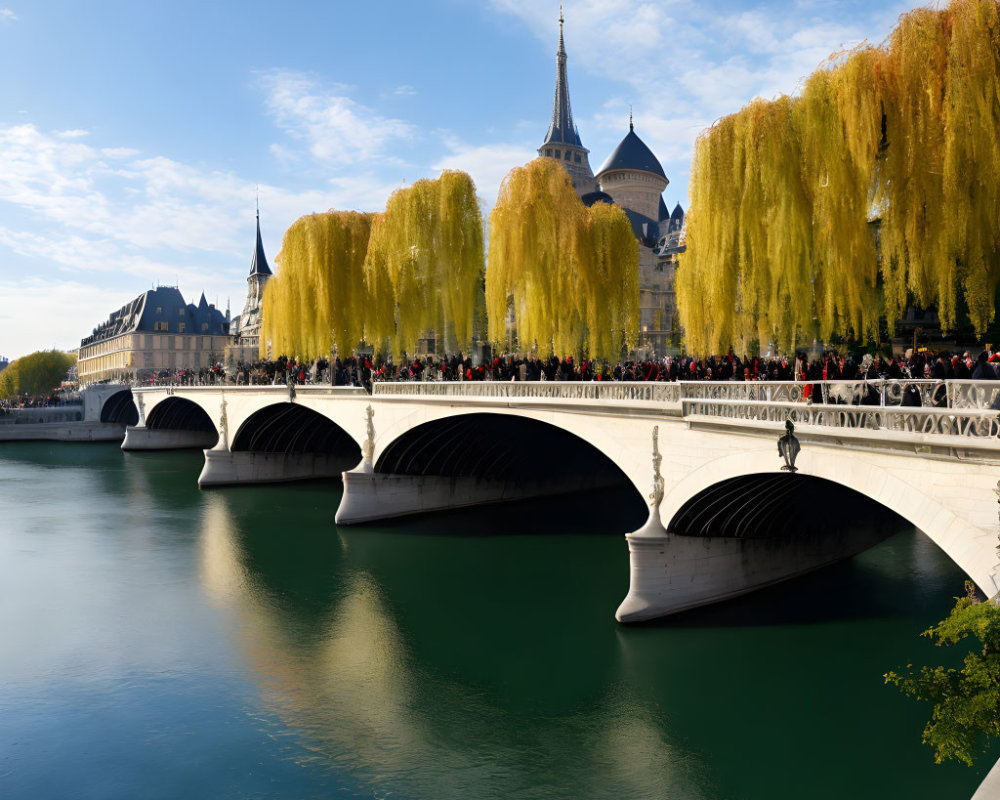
(747, 532)
(290, 428)
(179, 414)
(478, 458)
(778, 506)
(120, 409)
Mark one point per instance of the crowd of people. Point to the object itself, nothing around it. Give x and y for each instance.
(362, 370)
(51, 400)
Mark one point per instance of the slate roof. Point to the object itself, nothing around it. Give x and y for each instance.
(140, 315)
(632, 153)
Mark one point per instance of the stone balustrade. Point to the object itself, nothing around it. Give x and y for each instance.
(970, 422)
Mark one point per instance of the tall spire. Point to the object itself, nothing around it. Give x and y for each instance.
(258, 265)
(561, 129)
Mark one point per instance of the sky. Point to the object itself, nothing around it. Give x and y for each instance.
(135, 136)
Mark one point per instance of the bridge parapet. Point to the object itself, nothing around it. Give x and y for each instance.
(624, 392)
(881, 392)
(978, 425)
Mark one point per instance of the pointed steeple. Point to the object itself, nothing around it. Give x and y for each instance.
(562, 130)
(258, 265)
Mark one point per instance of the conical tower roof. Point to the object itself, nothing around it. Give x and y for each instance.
(633, 154)
(258, 264)
(562, 129)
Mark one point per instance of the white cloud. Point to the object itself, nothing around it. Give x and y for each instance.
(6, 15)
(334, 128)
(405, 90)
(488, 164)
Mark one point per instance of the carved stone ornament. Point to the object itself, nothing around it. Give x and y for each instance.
(657, 496)
(368, 448)
(140, 403)
(788, 447)
(223, 423)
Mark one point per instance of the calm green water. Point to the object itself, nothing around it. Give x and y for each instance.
(161, 642)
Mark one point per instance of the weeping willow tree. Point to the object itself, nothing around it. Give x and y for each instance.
(318, 300)
(424, 267)
(567, 274)
(878, 184)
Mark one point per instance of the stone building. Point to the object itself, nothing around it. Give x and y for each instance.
(632, 178)
(156, 332)
(246, 327)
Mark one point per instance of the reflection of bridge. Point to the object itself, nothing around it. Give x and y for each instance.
(724, 518)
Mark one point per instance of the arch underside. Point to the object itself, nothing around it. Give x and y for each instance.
(497, 447)
(777, 506)
(120, 409)
(290, 428)
(179, 414)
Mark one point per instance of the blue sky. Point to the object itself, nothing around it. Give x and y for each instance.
(133, 134)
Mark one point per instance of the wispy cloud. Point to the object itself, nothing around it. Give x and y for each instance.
(334, 127)
(6, 15)
(405, 91)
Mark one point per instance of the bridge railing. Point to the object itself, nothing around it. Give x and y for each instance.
(972, 422)
(668, 394)
(868, 392)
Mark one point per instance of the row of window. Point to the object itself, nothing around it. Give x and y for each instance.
(565, 156)
(163, 325)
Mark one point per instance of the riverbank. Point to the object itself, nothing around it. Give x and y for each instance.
(75, 431)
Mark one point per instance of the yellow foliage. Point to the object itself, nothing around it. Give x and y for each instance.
(424, 270)
(383, 278)
(568, 274)
(318, 301)
(786, 195)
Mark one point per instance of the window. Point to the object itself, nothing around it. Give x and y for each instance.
(558, 153)
(567, 155)
(180, 327)
(159, 309)
(548, 152)
(576, 158)
(180, 312)
(204, 327)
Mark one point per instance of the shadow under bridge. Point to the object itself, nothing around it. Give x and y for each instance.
(476, 458)
(120, 409)
(279, 443)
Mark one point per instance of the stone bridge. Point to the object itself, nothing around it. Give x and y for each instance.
(725, 514)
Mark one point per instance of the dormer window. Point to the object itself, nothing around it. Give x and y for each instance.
(567, 155)
(558, 153)
(548, 152)
(576, 158)
(180, 312)
(204, 327)
(180, 327)
(159, 309)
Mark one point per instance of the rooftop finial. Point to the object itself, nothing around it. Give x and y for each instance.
(630, 126)
(562, 47)
(257, 190)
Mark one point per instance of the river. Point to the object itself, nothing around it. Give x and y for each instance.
(159, 641)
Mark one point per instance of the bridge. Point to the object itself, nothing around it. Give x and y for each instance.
(725, 513)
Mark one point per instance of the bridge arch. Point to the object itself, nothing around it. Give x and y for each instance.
(527, 455)
(926, 506)
(294, 429)
(181, 414)
(120, 409)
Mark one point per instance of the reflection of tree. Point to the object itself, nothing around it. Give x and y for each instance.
(965, 703)
(382, 692)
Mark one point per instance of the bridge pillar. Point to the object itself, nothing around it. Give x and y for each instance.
(224, 467)
(673, 573)
(140, 437)
(370, 496)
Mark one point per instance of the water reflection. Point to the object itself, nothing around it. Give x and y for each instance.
(335, 661)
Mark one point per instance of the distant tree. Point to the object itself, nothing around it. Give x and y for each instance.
(965, 703)
(35, 374)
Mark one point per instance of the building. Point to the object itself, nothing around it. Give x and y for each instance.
(246, 327)
(156, 332)
(633, 179)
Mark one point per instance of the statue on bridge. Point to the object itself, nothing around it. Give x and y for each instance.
(788, 447)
